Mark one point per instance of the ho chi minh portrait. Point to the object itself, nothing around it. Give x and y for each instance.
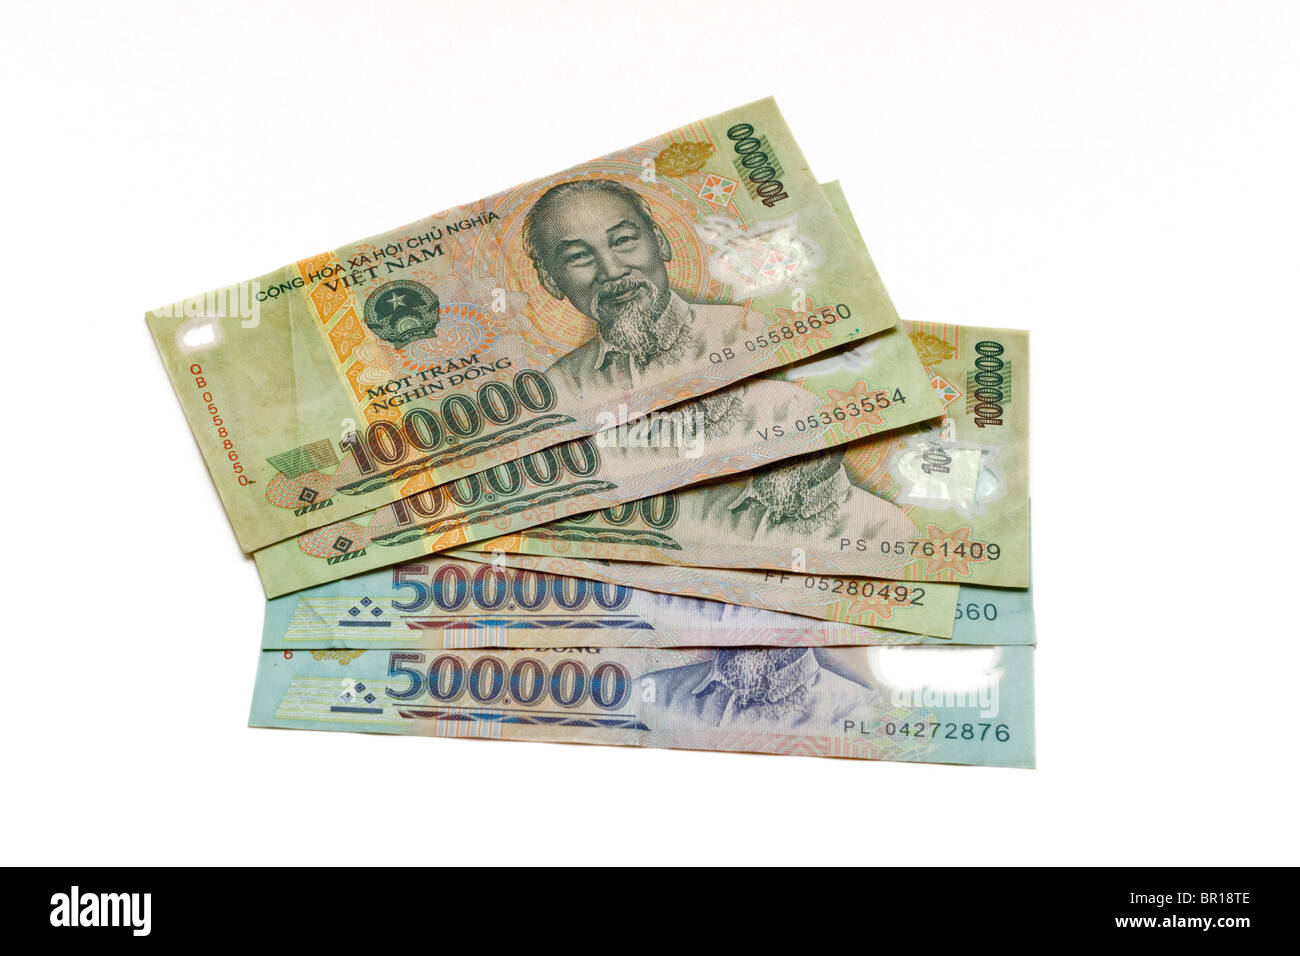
(775, 690)
(809, 499)
(595, 243)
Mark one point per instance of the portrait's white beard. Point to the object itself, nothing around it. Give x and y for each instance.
(629, 326)
(752, 675)
(710, 416)
(798, 494)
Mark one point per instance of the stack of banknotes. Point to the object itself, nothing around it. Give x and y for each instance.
(637, 453)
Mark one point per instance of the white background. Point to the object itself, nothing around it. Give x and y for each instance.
(1119, 178)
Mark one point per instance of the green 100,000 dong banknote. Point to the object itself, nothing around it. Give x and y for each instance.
(353, 378)
(444, 602)
(968, 705)
(960, 491)
(856, 391)
(946, 502)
